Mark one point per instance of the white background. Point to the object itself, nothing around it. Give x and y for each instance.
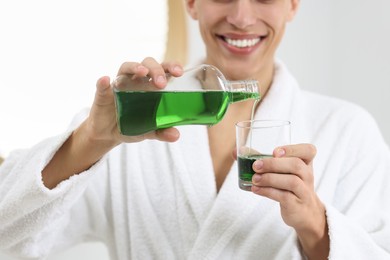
(52, 53)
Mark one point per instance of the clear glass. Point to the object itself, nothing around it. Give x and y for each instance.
(257, 139)
(199, 97)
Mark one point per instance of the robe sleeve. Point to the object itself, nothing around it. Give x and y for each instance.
(34, 219)
(359, 216)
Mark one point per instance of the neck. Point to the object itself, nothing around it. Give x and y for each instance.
(265, 80)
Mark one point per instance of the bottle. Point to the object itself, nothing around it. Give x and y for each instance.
(200, 96)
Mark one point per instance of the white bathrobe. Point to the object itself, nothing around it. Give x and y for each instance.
(155, 200)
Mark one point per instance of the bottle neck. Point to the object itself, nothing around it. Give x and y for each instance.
(240, 90)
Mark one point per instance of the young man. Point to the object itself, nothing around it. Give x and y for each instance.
(321, 197)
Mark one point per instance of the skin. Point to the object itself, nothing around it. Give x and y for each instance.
(287, 178)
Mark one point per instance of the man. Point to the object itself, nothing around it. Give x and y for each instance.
(323, 196)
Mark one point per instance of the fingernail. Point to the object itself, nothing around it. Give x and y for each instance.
(255, 188)
(141, 67)
(256, 178)
(160, 79)
(173, 134)
(257, 165)
(280, 152)
(176, 69)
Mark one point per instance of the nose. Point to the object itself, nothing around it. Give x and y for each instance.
(242, 14)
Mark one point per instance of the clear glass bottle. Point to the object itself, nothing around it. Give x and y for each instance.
(200, 96)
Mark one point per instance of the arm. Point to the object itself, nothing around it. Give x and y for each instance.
(353, 219)
(32, 218)
(42, 187)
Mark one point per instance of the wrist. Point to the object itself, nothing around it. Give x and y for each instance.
(88, 135)
(314, 237)
(78, 153)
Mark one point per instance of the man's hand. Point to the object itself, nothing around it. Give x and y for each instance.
(288, 179)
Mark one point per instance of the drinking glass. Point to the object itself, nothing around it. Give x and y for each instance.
(257, 139)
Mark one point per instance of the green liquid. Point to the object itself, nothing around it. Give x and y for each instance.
(141, 112)
(239, 96)
(245, 171)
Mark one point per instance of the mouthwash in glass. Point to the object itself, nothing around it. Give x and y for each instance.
(200, 96)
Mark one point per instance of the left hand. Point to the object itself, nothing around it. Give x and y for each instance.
(288, 179)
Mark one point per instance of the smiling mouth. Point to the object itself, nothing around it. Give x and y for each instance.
(241, 43)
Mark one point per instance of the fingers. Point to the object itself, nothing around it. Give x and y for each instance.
(134, 68)
(285, 174)
(150, 67)
(306, 152)
(155, 71)
(166, 135)
(268, 184)
(103, 84)
(282, 196)
(103, 94)
(288, 165)
(173, 67)
(289, 170)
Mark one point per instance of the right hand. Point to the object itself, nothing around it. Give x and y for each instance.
(99, 133)
(101, 123)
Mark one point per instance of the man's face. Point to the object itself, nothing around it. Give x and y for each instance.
(241, 36)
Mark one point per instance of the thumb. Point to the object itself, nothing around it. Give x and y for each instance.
(103, 94)
(167, 135)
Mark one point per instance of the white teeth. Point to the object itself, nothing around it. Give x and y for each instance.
(242, 43)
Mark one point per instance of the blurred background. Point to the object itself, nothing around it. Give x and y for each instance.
(52, 53)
